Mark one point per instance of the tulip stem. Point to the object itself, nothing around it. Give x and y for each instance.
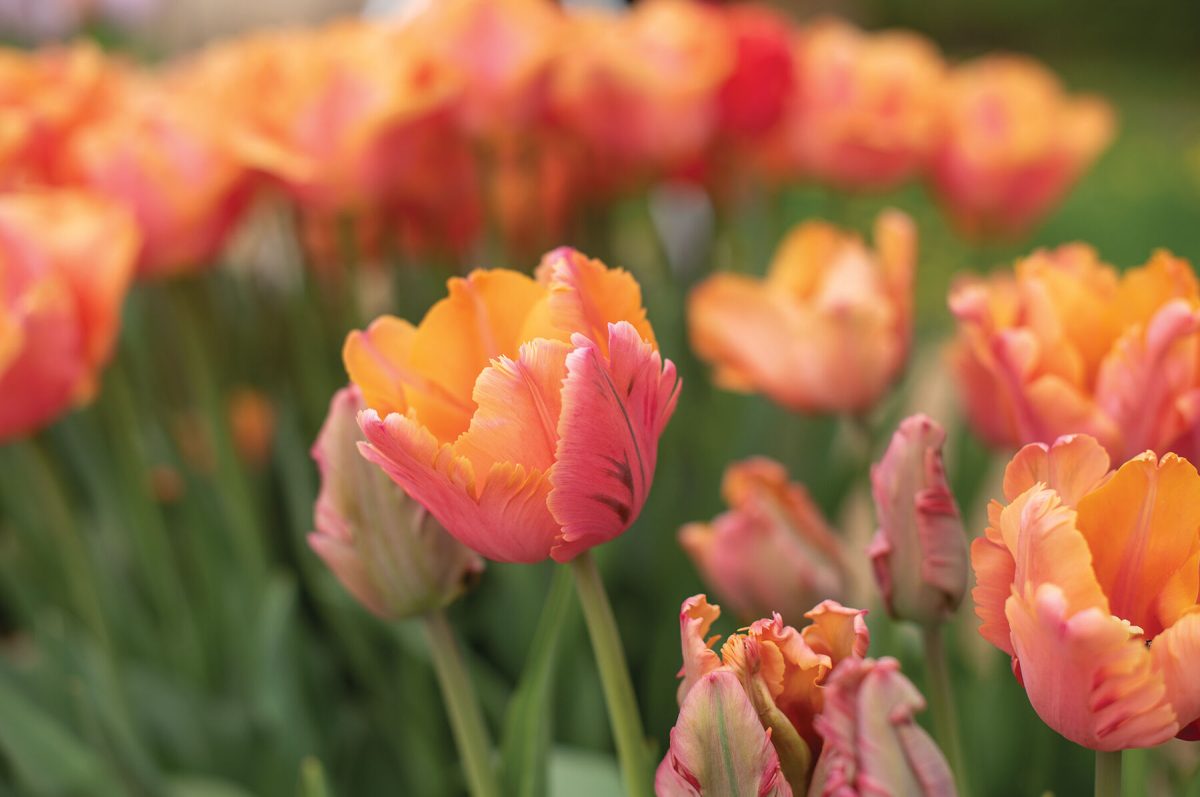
(614, 676)
(941, 704)
(1108, 774)
(466, 719)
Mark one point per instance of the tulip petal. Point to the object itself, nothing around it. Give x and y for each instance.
(994, 572)
(614, 409)
(837, 631)
(1072, 466)
(506, 520)
(718, 746)
(696, 617)
(1175, 653)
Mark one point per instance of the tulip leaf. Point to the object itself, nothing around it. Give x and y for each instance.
(312, 779)
(582, 773)
(203, 787)
(526, 743)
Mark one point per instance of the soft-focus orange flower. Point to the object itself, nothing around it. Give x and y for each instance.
(169, 160)
(1090, 580)
(252, 424)
(867, 107)
(382, 546)
(829, 328)
(919, 554)
(772, 551)
(1067, 345)
(66, 259)
(1013, 144)
(782, 669)
(524, 414)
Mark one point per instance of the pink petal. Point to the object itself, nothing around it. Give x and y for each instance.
(1176, 653)
(696, 617)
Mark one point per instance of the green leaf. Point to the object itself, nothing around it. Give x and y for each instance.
(312, 779)
(525, 747)
(582, 773)
(187, 786)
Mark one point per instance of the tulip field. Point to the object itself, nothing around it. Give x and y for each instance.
(509, 398)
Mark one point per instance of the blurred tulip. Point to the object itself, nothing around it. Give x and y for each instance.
(772, 551)
(383, 546)
(873, 744)
(718, 745)
(755, 92)
(782, 670)
(1066, 345)
(867, 106)
(1014, 143)
(66, 260)
(919, 553)
(524, 414)
(169, 161)
(252, 423)
(829, 328)
(1089, 580)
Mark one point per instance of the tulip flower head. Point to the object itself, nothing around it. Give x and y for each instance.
(383, 546)
(1013, 144)
(772, 550)
(873, 744)
(523, 413)
(829, 328)
(1089, 579)
(919, 553)
(66, 260)
(1066, 345)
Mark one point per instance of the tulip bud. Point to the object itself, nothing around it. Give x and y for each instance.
(873, 745)
(384, 547)
(919, 553)
(718, 745)
(772, 551)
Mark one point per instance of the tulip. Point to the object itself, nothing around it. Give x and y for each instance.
(718, 745)
(524, 414)
(873, 744)
(919, 553)
(829, 328)
(66, 260)
(1013, 144)
(383, 547)
(1067, 345)
(782, 670)
(772, 550)
(1089, 579)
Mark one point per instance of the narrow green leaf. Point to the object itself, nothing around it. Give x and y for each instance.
(312, 779)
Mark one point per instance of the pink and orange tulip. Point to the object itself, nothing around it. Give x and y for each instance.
(523, 413)
(919, 554)
(1066, 345)
(829, 328)
(1089, 578)
(66, 261)
(1013, 144)
(384, 547)
(772, 551)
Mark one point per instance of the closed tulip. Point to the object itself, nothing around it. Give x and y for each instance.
(1066, 345)
(1089, 579)
(1013, 143)
(919, 553)
(523, 413)
(772, 551)
(827, 330)
(66, 260)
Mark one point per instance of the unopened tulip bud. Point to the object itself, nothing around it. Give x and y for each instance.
(919, 553)
(873, 744)
(384, 547)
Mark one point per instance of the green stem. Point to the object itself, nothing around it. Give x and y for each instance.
(941, 702)
(466, 719)
(1108, 774)
(614, 676)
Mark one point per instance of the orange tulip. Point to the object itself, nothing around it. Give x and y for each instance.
(523, 414)
(1014, 143)
(772, 551)
(867, 108)
(66, 259)
(1090, 580)
(828, 330)
(1067, 345)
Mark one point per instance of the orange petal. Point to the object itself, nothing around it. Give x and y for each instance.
(696, 617)
(376, 360)
(614, 409)
(837, 631)
(994, 572)
(1072, 466)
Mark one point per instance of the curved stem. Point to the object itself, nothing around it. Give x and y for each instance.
(1108, 774)
(941, 703)
(466, 720)
(614, 676)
